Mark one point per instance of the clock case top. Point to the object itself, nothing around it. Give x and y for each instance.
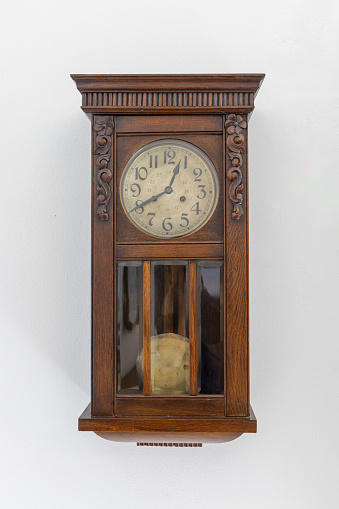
(206, 110)
(167, 93)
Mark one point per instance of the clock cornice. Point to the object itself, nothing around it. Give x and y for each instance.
(167, 93)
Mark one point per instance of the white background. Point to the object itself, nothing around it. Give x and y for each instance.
(45, 252)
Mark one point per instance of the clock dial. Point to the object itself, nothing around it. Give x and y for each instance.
(169, 188)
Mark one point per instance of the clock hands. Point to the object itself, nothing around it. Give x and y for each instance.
(168, 190)
(175, 172)
(154, 198)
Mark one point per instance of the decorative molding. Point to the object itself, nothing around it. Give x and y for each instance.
(180, 444)
(108, 94)
(103, 127)
(168, 100)
(235, 140)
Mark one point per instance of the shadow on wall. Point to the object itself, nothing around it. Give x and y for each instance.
(51, 287)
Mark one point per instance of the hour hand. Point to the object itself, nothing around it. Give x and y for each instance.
(175, 172)
(154, 198)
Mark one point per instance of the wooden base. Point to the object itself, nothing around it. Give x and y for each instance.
(171, 444)
(149, 429)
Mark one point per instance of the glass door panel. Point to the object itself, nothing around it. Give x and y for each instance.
(170, 349)
(182, 351)
(210, 347)
(129, 330)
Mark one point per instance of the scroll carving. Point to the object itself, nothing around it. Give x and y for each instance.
(103, 128)
(235, 142)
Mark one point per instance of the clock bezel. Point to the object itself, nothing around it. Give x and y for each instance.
(127, 144)
(199, 153)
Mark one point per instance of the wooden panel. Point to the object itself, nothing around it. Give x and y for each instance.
(167, 124)
(102, 288)
(183, 405)
(168, 310)
(167, 444)
(168, 429)
(212, 231)
(170, 251)
(193, 326)
(236, 274)
(163, 82)
(147, 326)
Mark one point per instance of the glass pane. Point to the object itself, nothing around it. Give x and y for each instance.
(170, 350)
(129, 326)
(210, 327)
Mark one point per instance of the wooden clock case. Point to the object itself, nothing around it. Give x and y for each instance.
(127, 112)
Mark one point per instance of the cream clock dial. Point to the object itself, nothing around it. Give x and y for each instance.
(169, 188)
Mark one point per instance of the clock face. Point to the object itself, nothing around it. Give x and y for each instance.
(169, 188)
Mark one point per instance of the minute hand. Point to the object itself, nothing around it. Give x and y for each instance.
(175, 172)
(154, 198)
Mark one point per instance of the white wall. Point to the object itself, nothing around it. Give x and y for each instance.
(45, 253)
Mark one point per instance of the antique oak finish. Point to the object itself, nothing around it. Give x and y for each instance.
(210, 112)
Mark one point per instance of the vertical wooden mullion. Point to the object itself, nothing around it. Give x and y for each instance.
(180, 282)
(115, 321)
(168, 297)
(146, 325)
(193, 326)
(225, 204)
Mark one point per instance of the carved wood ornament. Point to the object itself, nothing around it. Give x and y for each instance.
(103, 127)
(235, 142)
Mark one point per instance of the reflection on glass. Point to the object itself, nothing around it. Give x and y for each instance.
(210, 327)
(169, 328)
(129, 314)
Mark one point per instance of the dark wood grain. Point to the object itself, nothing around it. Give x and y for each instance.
(163, 82)
(193, 326)
(170, 405)
(177, 437)
(173, 251)
(178, 94)
(169, 124)
(175, 429)
(237, 383)
(146, 326)
(211, 112)
(147, 444)
(102, 292)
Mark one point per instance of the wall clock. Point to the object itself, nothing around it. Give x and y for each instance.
(169, 257)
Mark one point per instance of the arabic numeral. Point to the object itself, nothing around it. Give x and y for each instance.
(184, 218)
(150, 222)
(197, 172)
(202, 191)
(196, 208)
(139, 210)
(141, 173)
(135, 188)
(170, 155)
(167, 226)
